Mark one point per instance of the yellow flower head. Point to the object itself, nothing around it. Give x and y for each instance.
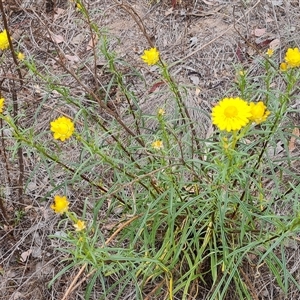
(161, 112)
(283, 67)
(225, 143)
(292, 58)
(1, 105)
(259, 112)
(270, 52)
(80, 225)
(62, 128)
(78, 6)
(20, 56)
(157, 145)
(151, 56)
(231, 114)
(60, 205)
(4, 44)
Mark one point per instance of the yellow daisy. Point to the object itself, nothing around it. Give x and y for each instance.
(292, 58)
(62, 128)
(60, 205)
(78, 6)
(259, 112)
(151, 56)
(231, 114)
(161, 112)
(2, 100)
(270, 52)
(80, 225)
(283, 67)
(4, 44)
(20, 56)
(157, 145)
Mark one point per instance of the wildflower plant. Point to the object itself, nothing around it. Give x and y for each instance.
(190, 211)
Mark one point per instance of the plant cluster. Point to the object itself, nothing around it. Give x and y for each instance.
(193, 212)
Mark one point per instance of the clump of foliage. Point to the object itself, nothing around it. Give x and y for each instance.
(192, 212)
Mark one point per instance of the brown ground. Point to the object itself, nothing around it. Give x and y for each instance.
(206, 38)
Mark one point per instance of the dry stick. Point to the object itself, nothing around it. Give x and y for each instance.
(15, 104)
(2, 207)
(159, 285)
(249, 285)
(7, 167)
(93, 45)
(3, 210)
(20, 149)
(73, 286)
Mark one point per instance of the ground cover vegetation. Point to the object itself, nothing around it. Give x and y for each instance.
(150, 204)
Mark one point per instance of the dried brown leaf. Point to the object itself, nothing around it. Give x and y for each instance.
(57, 38)
(259, 31)
(295, 134)
(25, 255)
(274, 44)
(92, 43)
(72, 58)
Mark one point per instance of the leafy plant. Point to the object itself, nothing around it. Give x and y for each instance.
(192, 212)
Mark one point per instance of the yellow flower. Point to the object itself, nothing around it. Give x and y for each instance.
(292, 58)
(20, 56)
(151, 56)
(60, 205)
(157, 145)
(1, 105)
(259, 112)
(62, 128)
(161, 112)
(283, 67)
(225, 143)
(80, 225)
(270, 52)
(4, 44)
(231, 114)
(78, 6)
